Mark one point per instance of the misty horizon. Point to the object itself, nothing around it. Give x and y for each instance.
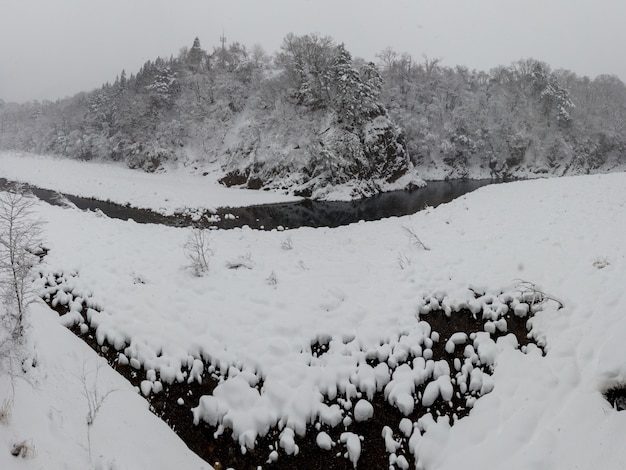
(63, 49)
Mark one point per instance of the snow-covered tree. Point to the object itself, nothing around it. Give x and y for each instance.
(20, 240)
(196, 56)
(349, 89)
(554, 98)
(164, 85)
(307, 61)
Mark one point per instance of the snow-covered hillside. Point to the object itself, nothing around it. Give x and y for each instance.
(269, 295)
(312, 120)
(307, 126)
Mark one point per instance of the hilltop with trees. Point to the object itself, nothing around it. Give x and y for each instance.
(311, 119)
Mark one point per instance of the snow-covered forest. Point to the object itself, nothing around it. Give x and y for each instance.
(311, 118)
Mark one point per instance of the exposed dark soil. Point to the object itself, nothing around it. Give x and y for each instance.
(616, 396)
(217, 446)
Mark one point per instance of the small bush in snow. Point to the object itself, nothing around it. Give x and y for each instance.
(287, 244)
(272, 280)
(241, 262)
(403, 261)
(533, 295)
(414, 239)
(94, 397)
(24, 449)
(198, 252)
(5, 411)
(601, 263)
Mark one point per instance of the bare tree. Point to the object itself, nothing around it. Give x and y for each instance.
(198, 252)
(20, 241)
(95, 398)
(388, 58)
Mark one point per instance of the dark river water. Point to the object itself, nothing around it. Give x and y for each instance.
(306, 213)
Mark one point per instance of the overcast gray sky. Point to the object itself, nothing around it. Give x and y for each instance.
(55, 48)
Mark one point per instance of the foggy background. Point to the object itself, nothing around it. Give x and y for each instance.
(50, 50)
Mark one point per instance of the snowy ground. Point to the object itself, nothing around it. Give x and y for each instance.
(165, 193)
(361, 285)
(47, 411)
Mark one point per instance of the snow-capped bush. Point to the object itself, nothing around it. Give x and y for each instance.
(198, 252)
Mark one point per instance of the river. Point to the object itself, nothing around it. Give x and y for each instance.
(306, 213)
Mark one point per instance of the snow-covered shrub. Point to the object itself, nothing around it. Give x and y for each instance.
(403, 261)
(287, 244)
(198, 252)
(414, 239)
(5, 411)
(24, 449)
(272, 280)
(601, 263)
(94, 396)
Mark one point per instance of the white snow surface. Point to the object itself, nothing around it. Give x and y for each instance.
(363, 410)
(166, 193)
(353, 446)
(347, 284)
(48, 411)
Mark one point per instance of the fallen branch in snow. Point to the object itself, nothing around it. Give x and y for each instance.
(601, 263)
(241, 262)
(535, 296)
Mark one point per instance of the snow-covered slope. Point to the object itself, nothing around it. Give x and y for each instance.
(362, 285)
(47, 411)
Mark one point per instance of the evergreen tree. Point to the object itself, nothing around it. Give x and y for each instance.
(349, 88)
(123, 80)
(196, 56)
(554, 98)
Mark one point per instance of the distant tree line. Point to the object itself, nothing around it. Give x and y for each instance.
(524, 117)
(311, 116)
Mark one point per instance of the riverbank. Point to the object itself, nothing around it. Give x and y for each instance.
(278, 216)
(165, 193)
